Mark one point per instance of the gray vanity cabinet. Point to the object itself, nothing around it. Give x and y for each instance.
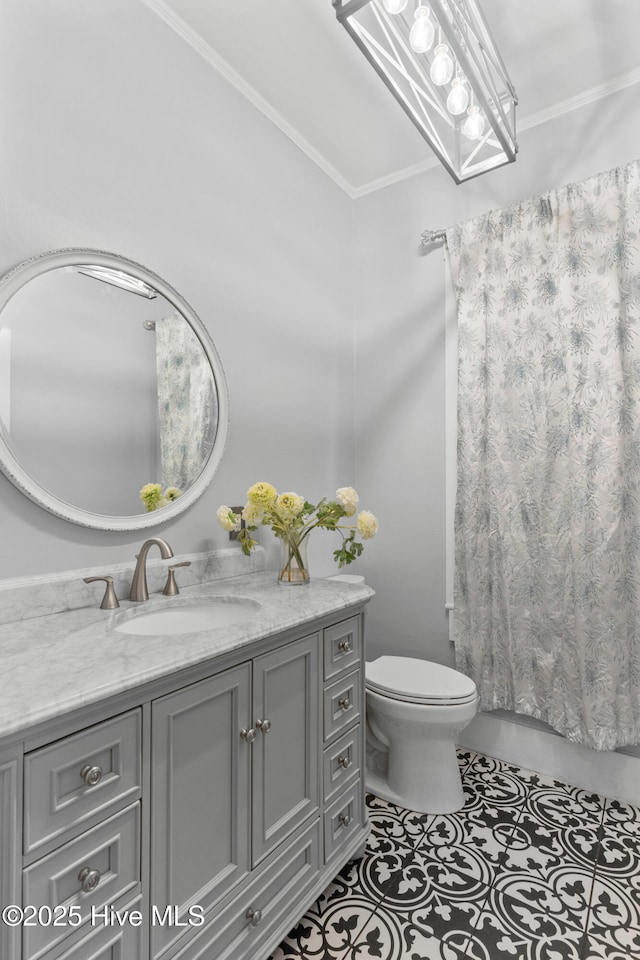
(234, 773)
(215, 805)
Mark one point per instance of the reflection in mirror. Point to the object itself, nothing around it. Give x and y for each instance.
(109, 382)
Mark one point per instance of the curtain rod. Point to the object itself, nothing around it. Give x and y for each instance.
(432, 236)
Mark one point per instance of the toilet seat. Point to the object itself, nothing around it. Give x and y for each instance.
(418, 681)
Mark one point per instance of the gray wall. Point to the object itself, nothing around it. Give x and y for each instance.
(117, 136)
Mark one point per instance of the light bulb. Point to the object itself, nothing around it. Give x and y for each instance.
(422, 31)
(394, 6)
(473, 127)
(442, 66)
(458, 99)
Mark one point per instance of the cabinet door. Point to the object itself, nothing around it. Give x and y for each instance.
(286, 749)
(200, 787)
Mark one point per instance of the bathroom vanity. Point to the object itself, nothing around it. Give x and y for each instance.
(182, 796)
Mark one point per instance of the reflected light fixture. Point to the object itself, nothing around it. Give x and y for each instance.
(439, 60)
(117, 278)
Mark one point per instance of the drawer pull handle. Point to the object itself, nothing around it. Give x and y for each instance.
(92, 775)
(344, 646)
(345, 703)
(344, 762)
(254, 916)
(344, 819)
(264, 725)
(89, 879)
(248, 735)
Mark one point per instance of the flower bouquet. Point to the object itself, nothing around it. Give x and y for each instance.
(292, 518)
(153, 497)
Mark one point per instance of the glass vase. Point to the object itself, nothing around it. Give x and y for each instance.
(294, 568)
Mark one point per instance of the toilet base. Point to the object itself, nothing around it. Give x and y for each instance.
(431, 785)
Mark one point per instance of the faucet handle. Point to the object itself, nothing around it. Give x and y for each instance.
(109, 601)
(171, 587)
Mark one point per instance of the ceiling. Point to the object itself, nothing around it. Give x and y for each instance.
(298, 65)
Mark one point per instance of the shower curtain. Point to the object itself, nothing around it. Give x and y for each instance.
(547, 517)
(187, 404)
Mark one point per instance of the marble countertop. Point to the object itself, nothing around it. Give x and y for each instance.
(57, 663)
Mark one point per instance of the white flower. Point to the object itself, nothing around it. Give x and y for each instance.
(289, 505)
(252, 514)
(367, 525)
(226, 518)
(348, 500)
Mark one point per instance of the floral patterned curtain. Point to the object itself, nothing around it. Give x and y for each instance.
(547, 525)
(187, 403)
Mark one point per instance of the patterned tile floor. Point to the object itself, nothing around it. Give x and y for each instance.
(529, 869)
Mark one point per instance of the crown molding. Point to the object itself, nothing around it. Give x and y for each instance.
(233, 77)
(592, 95)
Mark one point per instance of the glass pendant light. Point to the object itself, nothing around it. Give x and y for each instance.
(442, 66)
(394, 6)
(423, 31)
(474, 125)
(458, 99)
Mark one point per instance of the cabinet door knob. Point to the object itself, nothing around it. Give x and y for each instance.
(91, 774)
(344, 646)
(264, 725)
(248, 735)
(254, 916)
(344, 702)
(89, 879)
(344, 762)
(344, 819)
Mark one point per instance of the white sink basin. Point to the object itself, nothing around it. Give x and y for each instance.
(190, 617)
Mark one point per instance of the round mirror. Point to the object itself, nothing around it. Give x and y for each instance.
(109, 383)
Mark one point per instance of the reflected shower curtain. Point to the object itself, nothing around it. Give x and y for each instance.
(187, 404)
(547, 521)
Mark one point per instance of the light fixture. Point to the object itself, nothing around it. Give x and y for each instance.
(457, 94)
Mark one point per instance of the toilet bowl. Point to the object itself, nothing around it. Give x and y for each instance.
(415, 711)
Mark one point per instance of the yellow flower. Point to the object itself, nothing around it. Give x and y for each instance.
(226, 518)
(367, 525)
(262, 494)
(289, 505)
(172, 493)
(150, 495)
(348, 500)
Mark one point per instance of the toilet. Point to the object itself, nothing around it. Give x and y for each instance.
(415, 711)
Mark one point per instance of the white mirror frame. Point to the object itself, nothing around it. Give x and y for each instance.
(28, 485)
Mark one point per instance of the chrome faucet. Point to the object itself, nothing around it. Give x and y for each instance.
(139, 590)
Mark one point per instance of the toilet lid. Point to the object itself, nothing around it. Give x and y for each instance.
(418, 681)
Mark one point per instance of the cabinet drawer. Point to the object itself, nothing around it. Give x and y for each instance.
(250, 918)
(341, 704)
(341, 647)
(106, 942)
(341, 763)
(88, 775)
(110, 852)
(341, 820)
